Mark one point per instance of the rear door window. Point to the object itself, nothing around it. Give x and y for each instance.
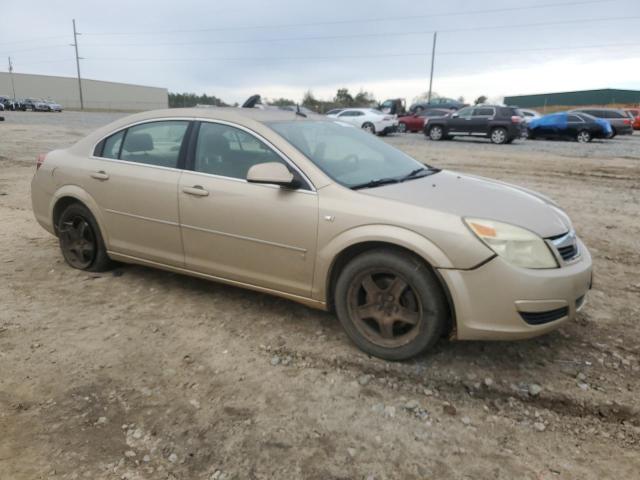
(483, 112)
(112, 145)
(574, 119)
(154, 143)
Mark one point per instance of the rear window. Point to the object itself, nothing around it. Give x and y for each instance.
(612, 114)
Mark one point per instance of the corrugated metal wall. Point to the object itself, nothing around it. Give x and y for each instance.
(98, 95)
(586, 97)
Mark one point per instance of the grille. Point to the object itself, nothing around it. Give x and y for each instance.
(538, 318)
(566, 245)
(568, 252)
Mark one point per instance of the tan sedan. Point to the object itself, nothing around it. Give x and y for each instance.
(319, 212)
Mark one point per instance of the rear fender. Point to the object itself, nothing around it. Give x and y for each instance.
(85, 198)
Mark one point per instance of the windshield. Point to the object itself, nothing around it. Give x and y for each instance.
(345, 153)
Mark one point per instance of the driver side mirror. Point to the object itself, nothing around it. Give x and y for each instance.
(271, 173)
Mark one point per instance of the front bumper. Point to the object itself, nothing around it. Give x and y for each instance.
(498, 301)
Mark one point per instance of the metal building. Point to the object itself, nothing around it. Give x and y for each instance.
(606, 96)
(98, 95)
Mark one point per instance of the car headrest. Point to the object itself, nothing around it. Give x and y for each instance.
(138, 142)
(215, 143)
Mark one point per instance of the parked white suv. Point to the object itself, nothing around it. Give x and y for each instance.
(369, 119)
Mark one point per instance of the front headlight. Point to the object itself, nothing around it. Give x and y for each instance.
(516, 245)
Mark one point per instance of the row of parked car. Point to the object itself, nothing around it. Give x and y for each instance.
(501, 124)
(24, 104)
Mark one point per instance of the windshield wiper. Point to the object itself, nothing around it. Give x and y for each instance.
(419, 173)
(374, 183)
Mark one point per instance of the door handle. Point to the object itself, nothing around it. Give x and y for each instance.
(196, 190)
(101, 175)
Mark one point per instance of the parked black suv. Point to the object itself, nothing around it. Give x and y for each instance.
(500, 124)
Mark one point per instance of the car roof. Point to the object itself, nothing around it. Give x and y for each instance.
(597, 109)
(230, 113)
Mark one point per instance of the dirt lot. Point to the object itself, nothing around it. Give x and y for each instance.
(142, 374)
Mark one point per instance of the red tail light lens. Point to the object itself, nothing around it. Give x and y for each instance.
(40, 160)
(516, 119)
(627, 121)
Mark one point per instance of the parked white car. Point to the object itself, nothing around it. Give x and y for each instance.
(369, 119)
(529, 115)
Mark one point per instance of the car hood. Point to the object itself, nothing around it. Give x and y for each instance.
(470, 196)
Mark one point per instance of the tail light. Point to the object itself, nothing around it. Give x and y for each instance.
(627, 121)
(40, 160)
(388, 117)
(516, 119)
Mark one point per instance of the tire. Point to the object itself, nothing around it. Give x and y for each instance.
(80, 240)
(436, 133)
(369, 127)
(405, 301)
(583, 136)
(499, 136)
(402, 127)
(614, 132)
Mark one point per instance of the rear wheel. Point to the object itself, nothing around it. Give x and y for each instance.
(583, 136)
(436, 133)
(614, 133)
(499, 136)
(390, 304)
(369, 127)
(80, 239)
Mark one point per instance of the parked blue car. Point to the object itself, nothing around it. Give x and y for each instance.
(579, 126)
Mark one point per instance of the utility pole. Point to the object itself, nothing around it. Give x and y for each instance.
(13, 87)
(78, 58)
(433, 57)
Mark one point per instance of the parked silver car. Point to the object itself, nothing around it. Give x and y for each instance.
(619, 120)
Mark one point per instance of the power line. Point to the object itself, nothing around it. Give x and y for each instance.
(367, 20)
(370, 35)
(364, 56)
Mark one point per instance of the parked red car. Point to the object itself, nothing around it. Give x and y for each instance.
(415, 122)
(636, 117)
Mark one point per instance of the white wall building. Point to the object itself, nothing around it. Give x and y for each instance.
(98, 95)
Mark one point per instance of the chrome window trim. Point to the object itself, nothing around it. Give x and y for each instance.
(284, 158)
(207, 120)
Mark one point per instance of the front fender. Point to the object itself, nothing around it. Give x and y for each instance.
(389, 234)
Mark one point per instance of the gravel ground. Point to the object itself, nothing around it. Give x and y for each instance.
(142, 374)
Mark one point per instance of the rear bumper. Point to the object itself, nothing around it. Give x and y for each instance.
(498, 301)
(386, 127)
(624, 130)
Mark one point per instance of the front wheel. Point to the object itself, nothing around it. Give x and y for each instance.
(80, 239)
(436, 133)
(583, 136)
(390, 304)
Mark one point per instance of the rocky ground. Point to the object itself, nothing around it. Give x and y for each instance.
(142, 374)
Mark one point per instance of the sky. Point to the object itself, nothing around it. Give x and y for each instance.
(282, 48)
